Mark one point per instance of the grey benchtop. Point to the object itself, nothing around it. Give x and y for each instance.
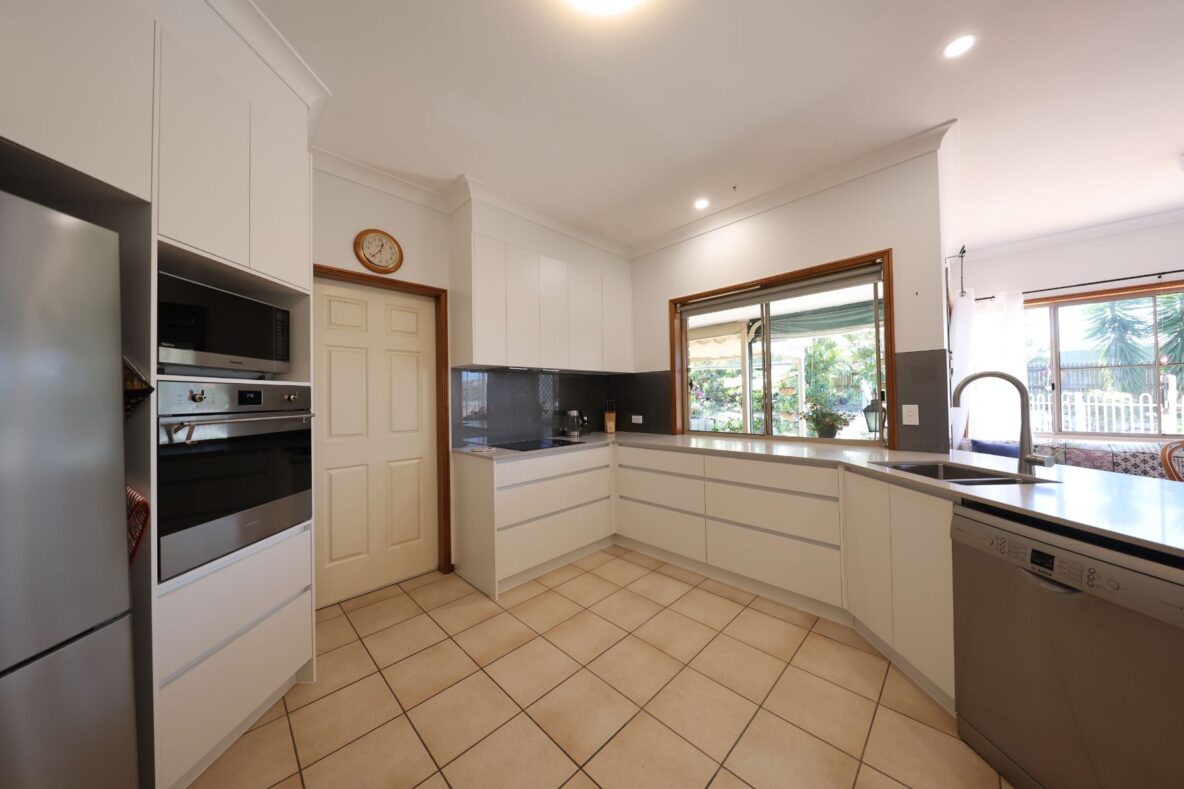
(1136, 510)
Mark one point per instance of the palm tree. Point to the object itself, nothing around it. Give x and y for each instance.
(1171, 328)
(1116, 327)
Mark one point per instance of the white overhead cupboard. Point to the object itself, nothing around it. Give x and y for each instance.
(527, 309)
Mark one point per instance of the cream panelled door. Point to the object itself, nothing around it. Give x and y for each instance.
(375, 447)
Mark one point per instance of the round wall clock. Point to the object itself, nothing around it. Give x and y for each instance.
(378, 251)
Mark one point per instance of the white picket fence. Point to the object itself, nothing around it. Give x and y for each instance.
(1096, 412)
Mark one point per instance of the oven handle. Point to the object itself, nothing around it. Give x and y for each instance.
(177, 428)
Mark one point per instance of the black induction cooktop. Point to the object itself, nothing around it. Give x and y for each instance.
(538, 443)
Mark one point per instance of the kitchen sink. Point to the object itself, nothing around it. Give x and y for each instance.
(963, 475)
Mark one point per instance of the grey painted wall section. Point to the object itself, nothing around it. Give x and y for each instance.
(922, 380)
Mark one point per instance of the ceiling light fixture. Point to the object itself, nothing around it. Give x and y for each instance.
(959, 46)
(604, 7)
(702, 203)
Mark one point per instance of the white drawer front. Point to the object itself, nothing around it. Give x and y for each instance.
(657, 488)
(795, 566)
(198, 616)
(782, 476)
(801, 516)
(676, 532)
(673, 462)
(532, 500)
(529, 545)
(512, 472)
(202, 706)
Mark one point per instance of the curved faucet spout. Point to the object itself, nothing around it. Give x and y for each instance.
(1027, 458)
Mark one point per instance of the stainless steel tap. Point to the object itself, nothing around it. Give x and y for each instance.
(1028, 459)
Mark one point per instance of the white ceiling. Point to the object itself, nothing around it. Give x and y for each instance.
(1071, 111)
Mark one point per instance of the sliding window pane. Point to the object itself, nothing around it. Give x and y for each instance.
(719, 370)
(1108, 334)
(1170, 309)
(1171, 387)
(1108, 400)
(824, 363)
(1038, 347)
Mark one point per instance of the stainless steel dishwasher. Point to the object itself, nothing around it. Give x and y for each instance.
(1069, 655)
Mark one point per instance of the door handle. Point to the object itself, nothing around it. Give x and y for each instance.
(1048, 584)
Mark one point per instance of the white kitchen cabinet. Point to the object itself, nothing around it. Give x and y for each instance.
(77, 85)
(800, 567)
(280, 205)
(671, 530)
(867, 552)
(553, 345)
(585, 315)
(617, 324)
(489, 300)
(204, 158)
(923, 584)
(522, 307)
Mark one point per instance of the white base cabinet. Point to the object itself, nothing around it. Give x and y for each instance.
(867, 552)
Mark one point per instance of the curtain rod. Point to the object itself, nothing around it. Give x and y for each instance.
(1157, 275)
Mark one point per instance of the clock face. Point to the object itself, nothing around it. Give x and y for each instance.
(378, 251)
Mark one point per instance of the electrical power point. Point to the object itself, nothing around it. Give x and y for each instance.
(636, 419)
(910, 415)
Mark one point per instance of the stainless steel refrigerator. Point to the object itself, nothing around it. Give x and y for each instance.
(67, 714)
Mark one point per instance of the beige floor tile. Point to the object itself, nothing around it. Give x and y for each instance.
(635, 668)
(580, 781)
(424, 674)
(329, 612)
(384, 613)
(626, 609)
(542, 612)
(452, 721)
(682, 574)
(905, 697)
(363, 600)
(520, 594)
(786, 613)
(852, 668)
(531, 670)
(586, 589)
(676, 635)
(726, 590)
(847, 635)
(389, 756)
(703, 711)
(725, 780)
(404, 639)
(648, 562)
(450, 587)
(739, 667)
(647, 754)
(616, 550)
(621, 572)
(662, 589)
(518, 755)
(421, 580)
(334, 633)
(329, 723)
(710, 609)
(582, 714)
(559, 575)
(493, 638)
(259, 758)
(273, 712)
(435, 782)
(1004, 783)
(923, 757)
(773, 753)
(837, 715)
(464, 612)
(291, 782)
(766, 633)
(335, 670)
(585, 636)
(593, 560)
(870, 778)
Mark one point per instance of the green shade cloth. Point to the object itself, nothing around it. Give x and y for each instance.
(828, 320)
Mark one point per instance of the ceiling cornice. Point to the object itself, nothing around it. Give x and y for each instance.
(1081, 234)
(343, 167)
(918, 145)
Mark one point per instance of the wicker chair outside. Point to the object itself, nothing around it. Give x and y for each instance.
(1173, 466)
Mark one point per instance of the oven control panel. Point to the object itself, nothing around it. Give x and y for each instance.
(178, 398)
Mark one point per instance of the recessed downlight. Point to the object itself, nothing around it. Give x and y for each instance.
(959, 46)
(702, 203)
(604, 7)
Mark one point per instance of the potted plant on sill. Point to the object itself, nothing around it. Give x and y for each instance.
(826, 422)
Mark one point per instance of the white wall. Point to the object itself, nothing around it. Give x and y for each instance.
(1126, 249)
(342, 208)
(896, 208)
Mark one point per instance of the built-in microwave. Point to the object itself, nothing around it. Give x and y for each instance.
(211, 329)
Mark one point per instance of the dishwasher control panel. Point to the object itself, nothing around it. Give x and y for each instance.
(1152, 596)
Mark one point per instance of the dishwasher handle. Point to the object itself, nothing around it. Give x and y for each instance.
(1048, 584)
